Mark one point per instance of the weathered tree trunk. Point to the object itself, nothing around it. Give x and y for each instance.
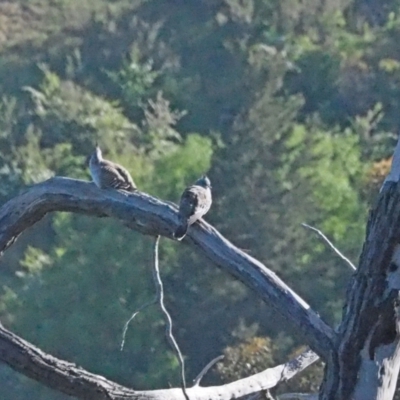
(367, 360)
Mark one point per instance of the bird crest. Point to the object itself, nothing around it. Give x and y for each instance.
(107, 174)
(204, 182)
(97, 155)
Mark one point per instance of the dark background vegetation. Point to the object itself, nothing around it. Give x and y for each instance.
(291, 107)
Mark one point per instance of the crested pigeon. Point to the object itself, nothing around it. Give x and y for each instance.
(107, 174)
(195, 202)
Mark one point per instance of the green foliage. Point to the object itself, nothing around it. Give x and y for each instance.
(246, 359)
(185, 164)
(256, 354)
(331, 164)
(66, 121)
(120, 272)
(65, 112)
(263, 205)
(136, 80)
(35, 260)
(290, 107)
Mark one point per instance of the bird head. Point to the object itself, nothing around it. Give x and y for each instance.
(204, 182)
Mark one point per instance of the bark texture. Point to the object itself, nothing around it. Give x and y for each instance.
(367, 361)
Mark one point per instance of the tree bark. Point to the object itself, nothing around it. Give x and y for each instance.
(366, 364)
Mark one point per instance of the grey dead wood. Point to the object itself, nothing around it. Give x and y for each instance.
(298, 396)
(366, 364)
(149, 216)
(362, 358)
(75, 381)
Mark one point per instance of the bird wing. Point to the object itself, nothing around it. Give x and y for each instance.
(195, 202)
(116, 176)
(126, 176)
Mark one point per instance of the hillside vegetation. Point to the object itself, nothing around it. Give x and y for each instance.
(291, 108)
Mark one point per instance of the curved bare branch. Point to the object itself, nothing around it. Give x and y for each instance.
(75, 381)
(151, 216)
(331, 245)
(199, 377)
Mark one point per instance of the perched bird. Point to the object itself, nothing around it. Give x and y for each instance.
(195, 202)
(107, 174)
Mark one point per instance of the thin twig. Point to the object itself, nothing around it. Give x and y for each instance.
(199, 377)
(170, 336)
(349, 263)
(155, 300)
(149, 303)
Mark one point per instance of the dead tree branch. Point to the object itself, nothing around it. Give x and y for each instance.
(298, 396)
(170, 336)
(149, 215)
(331, 245)
(367, 362)
(75, 381)
(155, 300)
(132, 317)
(200, 376)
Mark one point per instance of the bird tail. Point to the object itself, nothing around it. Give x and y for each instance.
(181, 230)
(124, 186)
(131, 188)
